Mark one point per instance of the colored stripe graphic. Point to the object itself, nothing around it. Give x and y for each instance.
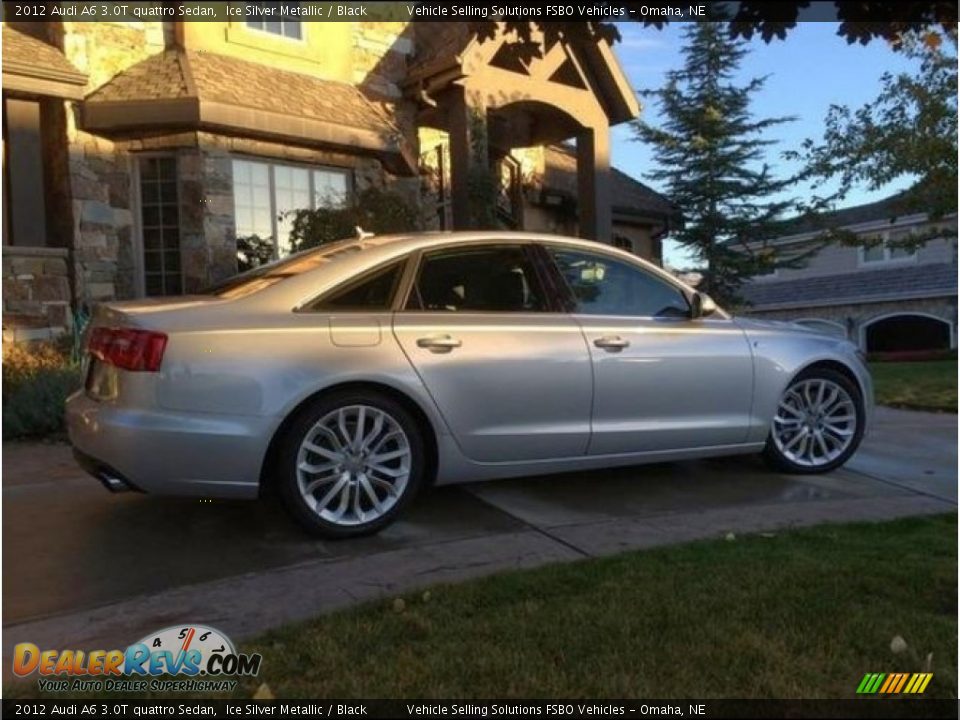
(903, 680)
(894, 683)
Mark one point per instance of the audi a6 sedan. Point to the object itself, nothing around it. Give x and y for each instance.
(348, 376)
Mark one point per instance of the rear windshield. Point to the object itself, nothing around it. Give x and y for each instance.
(270, 274)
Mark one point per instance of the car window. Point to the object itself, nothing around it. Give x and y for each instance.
(372, 292)
(264, 276)
(479, 279)
(605, 286)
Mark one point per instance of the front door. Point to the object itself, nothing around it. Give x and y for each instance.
(662, 381)
(510, 374)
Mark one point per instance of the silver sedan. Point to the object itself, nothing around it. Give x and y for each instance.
(348, 376)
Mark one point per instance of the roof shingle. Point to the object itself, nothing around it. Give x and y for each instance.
(927, 280)
(218, 78)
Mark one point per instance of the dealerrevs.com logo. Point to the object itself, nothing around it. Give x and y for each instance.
(198, 657)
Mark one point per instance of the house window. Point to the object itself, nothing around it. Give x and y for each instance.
(160, 223)
(265, 195)
(888, 250)
(275, 21)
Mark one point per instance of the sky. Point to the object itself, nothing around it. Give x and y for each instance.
(808, 71)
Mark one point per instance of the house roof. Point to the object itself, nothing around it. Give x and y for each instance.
(887, 209)
(33, 66)
(630, 198)
(447, 51)
(911, 281)
(201, 88)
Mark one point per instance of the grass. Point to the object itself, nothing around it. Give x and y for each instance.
(928, 385)
(802, 614)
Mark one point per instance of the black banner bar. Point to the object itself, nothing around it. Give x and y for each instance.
(655, 11)
(117, 708)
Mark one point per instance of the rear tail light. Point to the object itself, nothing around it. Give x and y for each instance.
(128, 349)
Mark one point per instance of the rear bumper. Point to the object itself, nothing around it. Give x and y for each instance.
(168, 453)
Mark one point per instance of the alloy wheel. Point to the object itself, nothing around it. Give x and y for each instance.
(353, 465)
(815, 422)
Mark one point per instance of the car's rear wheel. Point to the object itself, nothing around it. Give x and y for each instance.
(350, 463)
(818, 423)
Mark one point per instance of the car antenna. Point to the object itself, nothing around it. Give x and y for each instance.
(363, 234)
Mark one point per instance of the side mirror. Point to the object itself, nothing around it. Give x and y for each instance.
(702, 305)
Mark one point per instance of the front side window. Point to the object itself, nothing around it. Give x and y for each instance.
(274, 18)
(479, 279)
(605, 286)
(265, 196)
(160, 223)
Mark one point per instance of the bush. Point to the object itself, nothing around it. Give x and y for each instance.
(373, 210)
(37, 378)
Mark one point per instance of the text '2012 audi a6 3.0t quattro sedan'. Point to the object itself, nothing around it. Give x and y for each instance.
(350, 375)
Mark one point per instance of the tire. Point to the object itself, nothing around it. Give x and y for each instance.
(326, 472)
(834, 423)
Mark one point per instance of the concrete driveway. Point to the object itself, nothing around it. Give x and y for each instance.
(85, 569)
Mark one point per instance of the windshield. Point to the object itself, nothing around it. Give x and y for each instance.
(266, 275)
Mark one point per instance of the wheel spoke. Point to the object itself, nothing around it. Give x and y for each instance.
(371, 493)
(384, 470)
(342, 427)
(341, 483)
(314, 485)
(385, 485)
(358, 430)
(384, 457)
(374, 432)
(323, 452)
(344, 501)
(317, 469)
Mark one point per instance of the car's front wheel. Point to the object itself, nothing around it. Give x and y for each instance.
(818, 423)
(349, 463)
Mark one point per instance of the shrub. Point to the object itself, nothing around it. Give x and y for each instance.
(37, 378)
(374, 210)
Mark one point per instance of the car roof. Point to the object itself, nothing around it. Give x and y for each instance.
(384, 248)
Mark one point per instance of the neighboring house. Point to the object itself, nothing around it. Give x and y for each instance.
(883, 297)
(135, 154)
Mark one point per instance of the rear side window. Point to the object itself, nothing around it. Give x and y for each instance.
(374, 291)
(478, 279)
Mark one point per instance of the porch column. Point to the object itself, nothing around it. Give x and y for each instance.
(593, 184)
(467, 124)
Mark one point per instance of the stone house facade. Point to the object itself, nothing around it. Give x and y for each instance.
(885, 296)
(136, 153)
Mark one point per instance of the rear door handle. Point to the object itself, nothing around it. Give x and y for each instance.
(439, 343)
(611, 343)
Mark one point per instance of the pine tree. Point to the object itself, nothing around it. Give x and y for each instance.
(709, 153)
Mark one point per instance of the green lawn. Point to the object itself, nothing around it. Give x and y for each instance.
(930, 385)
(795, 615)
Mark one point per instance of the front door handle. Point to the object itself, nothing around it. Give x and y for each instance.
(611, 343)
(439, 343)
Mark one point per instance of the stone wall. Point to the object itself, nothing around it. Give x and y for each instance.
(100, 179)
(36, 293)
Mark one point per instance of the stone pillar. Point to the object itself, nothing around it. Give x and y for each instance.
(593, 184)
(467, 123)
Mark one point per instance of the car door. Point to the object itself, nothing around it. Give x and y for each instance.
(662, 381)
(508, 370)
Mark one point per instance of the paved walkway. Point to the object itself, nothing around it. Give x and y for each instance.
(86, 569)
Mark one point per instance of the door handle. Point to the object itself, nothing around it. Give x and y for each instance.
(439, 343)
(611, 343)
